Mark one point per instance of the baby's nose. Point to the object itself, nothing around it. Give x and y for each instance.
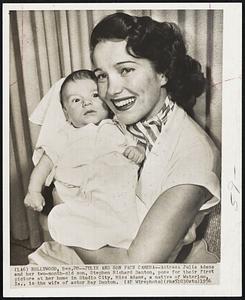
(86, 102)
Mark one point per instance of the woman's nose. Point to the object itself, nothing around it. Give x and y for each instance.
(114, 86)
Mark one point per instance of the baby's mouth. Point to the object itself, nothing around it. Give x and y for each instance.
(124, 103)
(89, 112)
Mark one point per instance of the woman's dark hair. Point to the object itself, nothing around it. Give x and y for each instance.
(74, 76)
(161, 43)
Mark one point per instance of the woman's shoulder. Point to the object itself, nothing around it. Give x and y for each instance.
(193, 136)
(195, 159)
(190, 144)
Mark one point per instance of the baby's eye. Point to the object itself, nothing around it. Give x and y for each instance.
(101, 76)
(124, 71)
(75, 100)
(95, 95)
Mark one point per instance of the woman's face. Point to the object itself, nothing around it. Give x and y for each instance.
(130, 86)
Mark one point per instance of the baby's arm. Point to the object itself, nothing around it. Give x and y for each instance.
(135, 153)
(34, 198)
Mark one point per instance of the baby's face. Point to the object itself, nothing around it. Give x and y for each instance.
(82, 103)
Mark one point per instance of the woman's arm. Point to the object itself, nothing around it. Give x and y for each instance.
(163, 227)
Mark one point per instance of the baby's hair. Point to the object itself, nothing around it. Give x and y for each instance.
(74, 76)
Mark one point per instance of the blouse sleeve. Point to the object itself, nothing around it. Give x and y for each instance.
(199, 165)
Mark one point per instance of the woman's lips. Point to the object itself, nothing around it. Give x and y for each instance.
(124, 103)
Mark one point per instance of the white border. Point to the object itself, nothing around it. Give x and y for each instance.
(109, 6)
(5, 152)
(230, 266)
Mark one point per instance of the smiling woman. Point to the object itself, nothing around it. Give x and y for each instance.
(126, 83)
(47, 45)
(146, 78)
(150, 83)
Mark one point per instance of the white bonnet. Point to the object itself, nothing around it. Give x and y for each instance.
(50, 115)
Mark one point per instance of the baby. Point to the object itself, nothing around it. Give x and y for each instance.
(94, 163)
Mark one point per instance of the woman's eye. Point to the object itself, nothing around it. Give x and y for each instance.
(125, 71)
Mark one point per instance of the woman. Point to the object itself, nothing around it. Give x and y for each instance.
(150, 83)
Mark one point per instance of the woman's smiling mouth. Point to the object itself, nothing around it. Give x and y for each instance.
(123, 103)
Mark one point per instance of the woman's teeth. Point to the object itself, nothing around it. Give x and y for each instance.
(124, 102)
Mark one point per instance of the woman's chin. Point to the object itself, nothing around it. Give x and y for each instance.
(127, 118)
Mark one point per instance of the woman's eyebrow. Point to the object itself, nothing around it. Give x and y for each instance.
(117, 64)
(126, 62)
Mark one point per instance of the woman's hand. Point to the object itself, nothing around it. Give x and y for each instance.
(165, 225)
(34, 200)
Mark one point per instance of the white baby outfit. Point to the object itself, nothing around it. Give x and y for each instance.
(95, 182)
(97, 185)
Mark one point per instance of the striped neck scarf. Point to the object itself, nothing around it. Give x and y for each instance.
(148, 131)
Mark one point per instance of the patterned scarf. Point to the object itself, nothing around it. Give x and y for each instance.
(148, 131)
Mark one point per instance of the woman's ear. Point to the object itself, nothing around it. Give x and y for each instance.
(164, 80)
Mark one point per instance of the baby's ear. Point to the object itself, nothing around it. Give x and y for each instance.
(65, 113)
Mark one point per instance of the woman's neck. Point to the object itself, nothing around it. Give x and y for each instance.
(159, 105)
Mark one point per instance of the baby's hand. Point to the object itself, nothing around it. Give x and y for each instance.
(134, 153)
(34, 200)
